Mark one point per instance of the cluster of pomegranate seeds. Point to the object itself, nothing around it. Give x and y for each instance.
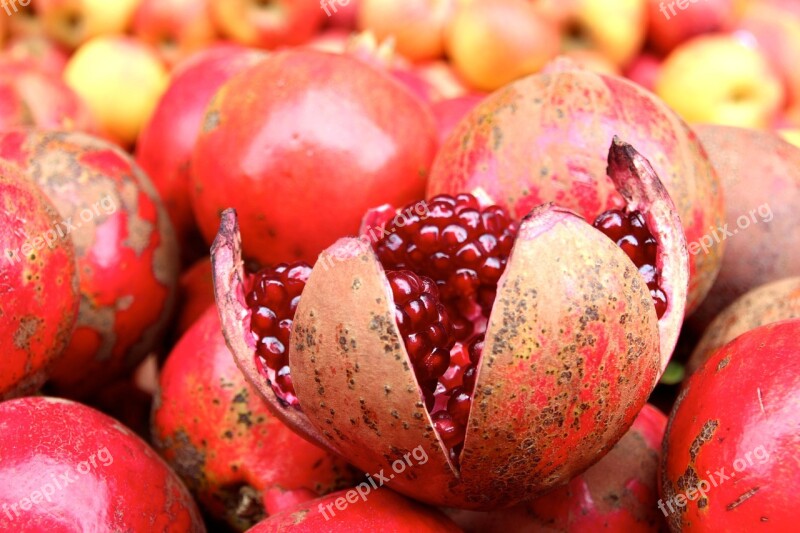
(630, 232)
(273, 301)
(424, 325)
(464, 249)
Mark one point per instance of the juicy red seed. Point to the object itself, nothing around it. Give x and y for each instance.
(630, 232)
(427, 334)
(475, 349)
(273, 301)
(458, 406)
(469, 378)
(450, 431)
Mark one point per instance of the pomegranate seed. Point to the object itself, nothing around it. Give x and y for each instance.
(273, 300)
(458, 406)
(632, 235)
(450, 431)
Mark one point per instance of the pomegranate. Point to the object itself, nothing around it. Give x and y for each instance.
(346, 511)
(38, 282)
(773, 302)
(730, 453)
(544, 138)
(31, 98)
(375, 353)
(125, 249)
(449, 112)
(762, 242)
(263, 152)
(164, 147)
(216, 431)
(618, 493)
(44, 54)
(196, 290)
(67, 467)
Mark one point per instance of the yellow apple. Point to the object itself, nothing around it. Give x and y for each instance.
(792, 135)
(719, 79)
(494, 43)
(121, 80)
(73, 22)
(615, 28)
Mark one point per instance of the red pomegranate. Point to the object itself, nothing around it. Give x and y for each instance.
(32, 98)
(38, 282)
(125, 249)
(262, 151)
(214, 429)
(762, 243)
(773, 302)
(550, 329)
(618, 493)
(67, 467)
(451, 111)
(348, 511)
(730, 454)
(43, 53)
(196, 294)
(164, 147)
(545, 137)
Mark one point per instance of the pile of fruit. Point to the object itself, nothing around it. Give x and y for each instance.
(399, 265)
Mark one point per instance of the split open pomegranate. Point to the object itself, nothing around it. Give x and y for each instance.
(517, 354)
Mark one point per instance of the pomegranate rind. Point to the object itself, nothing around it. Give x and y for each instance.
(229, 292)
(763, 305)
(638, 183)
(570, 356)
(354, 378)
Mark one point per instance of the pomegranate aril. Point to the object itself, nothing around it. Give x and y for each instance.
(450, 431)
(458, 406)
(273, 301)
(469, 378)
(630, 232)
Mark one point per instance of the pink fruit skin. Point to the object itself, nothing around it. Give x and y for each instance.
(544, 138)
(116, 481)
(218, 434)
(449, 112)
(380, 510)
(164, 148)
(618, 493)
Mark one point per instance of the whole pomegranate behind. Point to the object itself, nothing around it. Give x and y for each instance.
(380, 510)
(66, 467)
(760, 175)
(125, 248)
(773, 302)
(38, 283)
(164, 147)
(301, 145)
(544, 138)
(618, 493)
(730, 453)
(241, 463)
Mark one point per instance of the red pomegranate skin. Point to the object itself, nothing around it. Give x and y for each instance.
(32, 98)
(196, 294)
(220, 437)
(379, 510)
(164, 147)
(302, 145)
(545, 138)
(740, 412)
(39, 286)
(66, 467)
(125, 249)
(618, 493)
